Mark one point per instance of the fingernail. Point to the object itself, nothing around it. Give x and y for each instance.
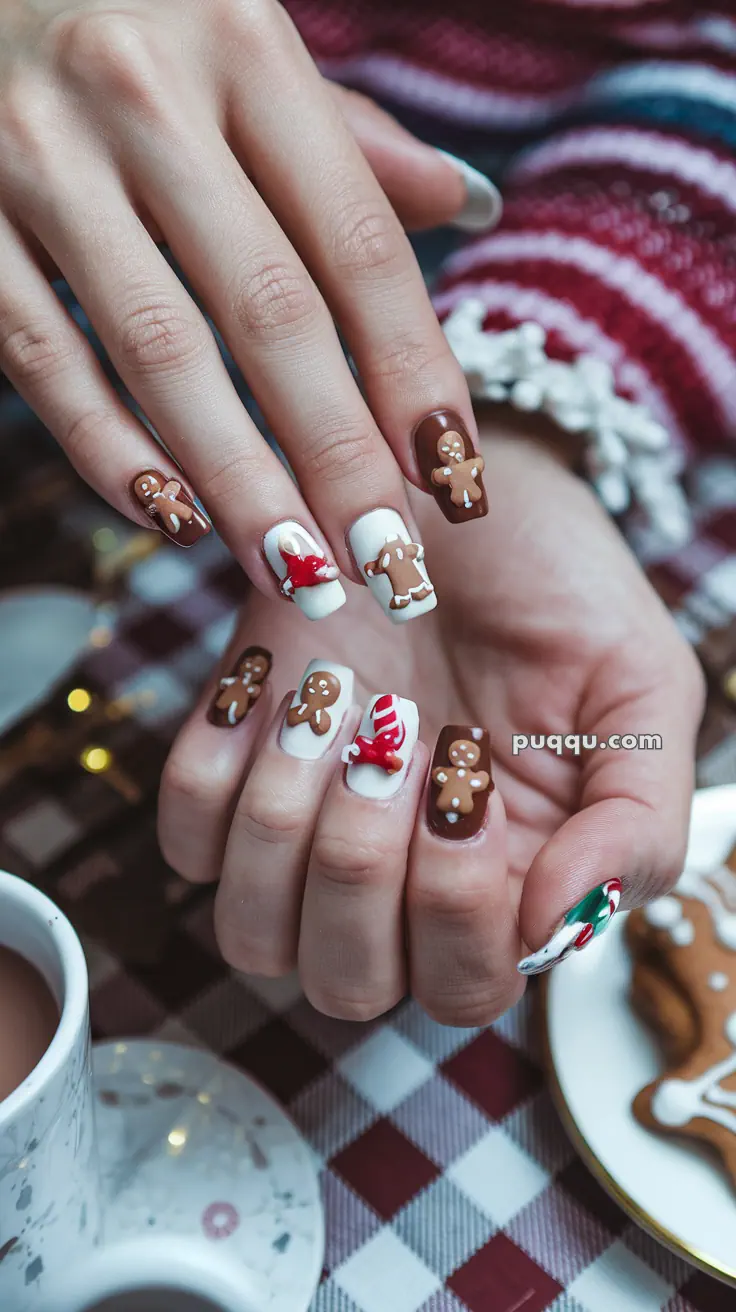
(305, 574)
(317, 710)
(240, 689)
(172, 509)
(587, 919)
(450, 467)
(483, 205)
(460, 782)
(380, 754)
(392, 565)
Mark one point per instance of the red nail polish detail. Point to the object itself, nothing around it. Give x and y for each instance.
(450, 466)
(461, 782)
(304, 571)
(239, 691)
(171, 507)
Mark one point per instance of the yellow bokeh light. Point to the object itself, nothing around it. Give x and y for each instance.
(96, 759)
(79, 699)
(100, 636)
(104, 539)
(204, 1098)
(729, 684)
(178, 1137)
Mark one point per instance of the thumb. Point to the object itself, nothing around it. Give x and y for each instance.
(426, 187)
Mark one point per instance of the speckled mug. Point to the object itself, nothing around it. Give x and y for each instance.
(49, 1191)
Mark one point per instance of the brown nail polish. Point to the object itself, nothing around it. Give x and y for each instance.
(450, 466)
(239, 691)
(172, 509)
(460, 782)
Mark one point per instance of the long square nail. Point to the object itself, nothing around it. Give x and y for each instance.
(460, 782)
(239, 690)
(380, 754)
(392, 565)
(317, 710)
(450, 466)
(584, 922)
(305, 574)
(172, 509)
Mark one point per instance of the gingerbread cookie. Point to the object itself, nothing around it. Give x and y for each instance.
(460, 782)
(392, 565)
(240, 690)
(398, 561)
(684, 984)
(317, 710)
(450, 466)
(319, 690)
(171, 507)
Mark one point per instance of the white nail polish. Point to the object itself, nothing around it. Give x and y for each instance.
(295, 558)
(317, 710)
(483, 206)
(381, 752)
(392, 565)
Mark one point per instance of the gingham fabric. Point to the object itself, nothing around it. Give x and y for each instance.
(449, 1185)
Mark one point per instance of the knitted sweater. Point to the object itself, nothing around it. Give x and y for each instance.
(611, 126)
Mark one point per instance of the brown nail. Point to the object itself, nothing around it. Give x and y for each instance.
(460, 782)
(450, 466)
(172, 509)
(240, 690)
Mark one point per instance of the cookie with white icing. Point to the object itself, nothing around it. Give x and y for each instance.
(684, 984)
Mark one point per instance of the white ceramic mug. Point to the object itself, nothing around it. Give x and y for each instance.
(49, 1194)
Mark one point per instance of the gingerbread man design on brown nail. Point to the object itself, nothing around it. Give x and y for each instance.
(457, 473)
(319, 691)
(240, 690)
(460, 788)
(398, 562)
(167, 502)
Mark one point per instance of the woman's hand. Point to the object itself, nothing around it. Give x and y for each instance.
(207, 125)
(546, 626)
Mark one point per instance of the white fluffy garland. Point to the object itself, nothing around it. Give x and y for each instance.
(628, 456)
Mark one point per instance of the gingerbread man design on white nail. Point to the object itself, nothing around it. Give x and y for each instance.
(305, 575)
(380, 754)
(392, 565)
(317, 710)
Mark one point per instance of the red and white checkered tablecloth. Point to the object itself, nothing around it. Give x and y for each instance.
(449, 1184)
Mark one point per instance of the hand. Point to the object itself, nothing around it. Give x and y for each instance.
(207, 125)
(546, 625)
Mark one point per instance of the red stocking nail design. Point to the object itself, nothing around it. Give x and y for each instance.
(379, 756)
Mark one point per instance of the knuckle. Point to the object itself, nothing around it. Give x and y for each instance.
(347, 1006)
(465, 906)
(247, 955)
(277, 301)
(155, 337)
(85, 437)
(472, 1008)
(367, 241)
(267, 815)
(105, 48)
(341, 456)
(229, 481)
(410, 355)
(33, 353)
(29, 122)
(190, 788)
(347, 862)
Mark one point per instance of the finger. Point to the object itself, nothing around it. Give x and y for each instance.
(463, 935)
(204, 771)
(426, 187)
(259, 900)
(163, 349)
(629, 836)
(351, 944)
(328, 202)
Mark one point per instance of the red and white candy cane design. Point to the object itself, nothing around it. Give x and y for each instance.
(390, 732)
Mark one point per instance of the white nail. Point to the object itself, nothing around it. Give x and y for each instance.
(321, 591)
(483, 205)
(397, 578)
(390, 728)
(324, 694)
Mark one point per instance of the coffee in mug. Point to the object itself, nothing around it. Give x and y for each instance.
(29, 1019)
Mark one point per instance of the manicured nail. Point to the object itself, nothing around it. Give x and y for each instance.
(317, 710)
(305, 574)
(450, 467)
(392, 565)
(483, 206)
(172, 509)
(240, 689)
(461, 782)
(380, 754)
(587, 919)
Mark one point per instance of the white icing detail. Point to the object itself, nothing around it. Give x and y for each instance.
(628, 455)
(717, 891)
(455, 801)
(475, 783)
(442, 778)
(461, 774)
(452, 816)
(664, 913)
(717, 981)
(477, 734)
(683, 933)
(175, 522)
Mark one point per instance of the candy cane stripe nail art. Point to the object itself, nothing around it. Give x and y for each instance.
(392, 565)
(172, 509)
(587, 919)
(305, 575)
(317, 710)
(380, 754)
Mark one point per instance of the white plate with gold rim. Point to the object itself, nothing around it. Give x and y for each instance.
(601, 1055)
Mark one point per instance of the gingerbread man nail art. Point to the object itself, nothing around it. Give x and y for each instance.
(305, 574)
(320, 690)
(398, 561)
(451, 467)
(171, 507)
(239, 691)
(392, 565)
(461, 782)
